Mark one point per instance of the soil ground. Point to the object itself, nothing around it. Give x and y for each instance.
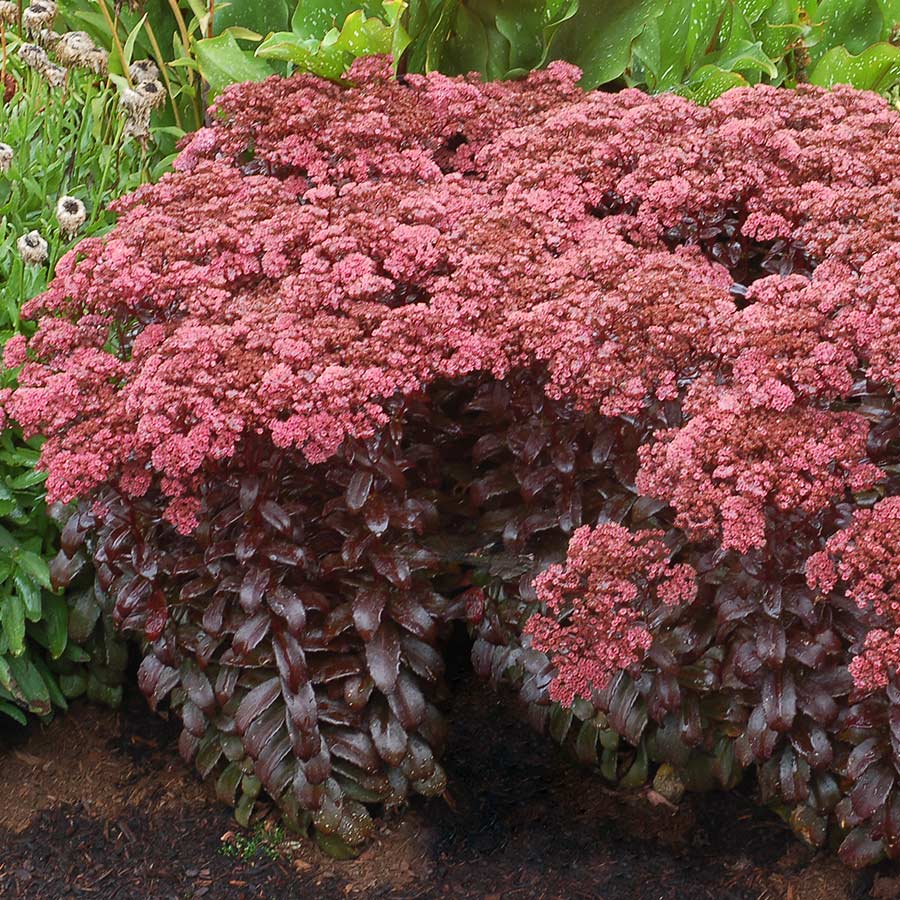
(99, 805)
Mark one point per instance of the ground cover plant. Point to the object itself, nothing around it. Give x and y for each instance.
(353, 372)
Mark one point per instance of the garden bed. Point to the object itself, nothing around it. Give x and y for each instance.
(98, 804)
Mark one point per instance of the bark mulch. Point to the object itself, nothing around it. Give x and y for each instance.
(98, 805)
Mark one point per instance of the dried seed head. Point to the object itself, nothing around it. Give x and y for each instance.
(9, 12)
(71, 214)
(35, 57)
(97, 62)
(137, 125)
(75, 48)
(39, 15)
(144, 70)
(6, 157)
(153, 93)
(54, 75)
(47, 38)
(133, 102)
(32, 248)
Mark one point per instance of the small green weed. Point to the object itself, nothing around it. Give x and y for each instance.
(264, 838)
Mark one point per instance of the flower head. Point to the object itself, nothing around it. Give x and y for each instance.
(39, 15)
(143, 70)
(6, 157)
(71, 214)
(77, 49)
(32, 248)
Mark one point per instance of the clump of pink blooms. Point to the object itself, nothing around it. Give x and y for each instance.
(289, 277)
(593, 626)
(864, 558)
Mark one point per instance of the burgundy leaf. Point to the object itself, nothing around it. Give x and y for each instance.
(64, 568)
(193, 719)
(357, 690)
(358, 489)
(388, 735)
(422, 658)
(291, 660)
(198, 688)
(251, 633)
(157, 615)
(354, 746)
(376, 515)
(390, 566)
(256, 702)
(249, 491)
(214, 614)
(269, 759)
(333, 666)
(407, 701)
(288, 605)
(253, 588)
(367, 608)
(383, 657)
(275, 516)
(408, 612)
(339, 620)
(262, 730)
(156, 680)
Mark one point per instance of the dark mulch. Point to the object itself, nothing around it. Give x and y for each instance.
(98, 805)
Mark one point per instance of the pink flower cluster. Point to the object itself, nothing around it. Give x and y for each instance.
(864, 558)
(322, 248)
(723, 280)
(594, 626)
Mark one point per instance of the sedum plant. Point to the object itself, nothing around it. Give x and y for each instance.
(354, 371)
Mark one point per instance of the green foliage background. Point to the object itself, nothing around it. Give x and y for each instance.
(698, 48)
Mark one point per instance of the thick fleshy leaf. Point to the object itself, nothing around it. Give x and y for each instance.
(354, 746)
(407, 701)
(263, 729)
(421, 657)
(156, 680)
(291, 660)
(256, 702)
(389, 736)
(198, 688)
(368, 605)
(248, 636)
(289, 606)
(383, 656)
(860, 849)
(358, 489)
(253, 587)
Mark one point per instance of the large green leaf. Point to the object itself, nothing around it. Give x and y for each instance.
(28, 685)
(877, 68)
(711, 37)
(12, 617)
(261, 16)
(854, 24)
(327, 36)
(223, 62)
(598, 38)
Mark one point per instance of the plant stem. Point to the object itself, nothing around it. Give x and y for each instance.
(186, 43)
(114, 31)
(162, 68)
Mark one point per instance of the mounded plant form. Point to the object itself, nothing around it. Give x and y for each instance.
(610, 377)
